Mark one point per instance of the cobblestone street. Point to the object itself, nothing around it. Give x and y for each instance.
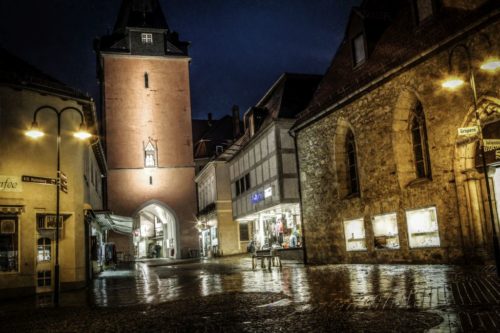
(226, 295)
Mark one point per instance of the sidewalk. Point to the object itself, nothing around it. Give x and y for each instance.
(156, 262)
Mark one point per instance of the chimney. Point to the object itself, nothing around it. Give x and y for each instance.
(236, 121)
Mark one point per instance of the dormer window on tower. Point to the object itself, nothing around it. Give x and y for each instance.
(147, 38)
(150, 154)
(358, 49)
(424, 9)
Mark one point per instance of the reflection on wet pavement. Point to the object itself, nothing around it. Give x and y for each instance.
(449, 291)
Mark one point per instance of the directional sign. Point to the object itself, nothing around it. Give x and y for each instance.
(468, 130)
(64, 182)
(491, 144)
(39, 180)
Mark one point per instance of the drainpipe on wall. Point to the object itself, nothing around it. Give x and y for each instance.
(297, 166)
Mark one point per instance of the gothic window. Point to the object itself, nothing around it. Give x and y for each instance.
(352, 167)
(419, 143)
(147, 38)
(150, 154)
(358, 49)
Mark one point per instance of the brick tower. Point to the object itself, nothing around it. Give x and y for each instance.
(143, 69)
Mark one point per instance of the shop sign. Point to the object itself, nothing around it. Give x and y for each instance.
(468, 131)
(257, 197)
(268, 192)
(491, 144)
(10, 184)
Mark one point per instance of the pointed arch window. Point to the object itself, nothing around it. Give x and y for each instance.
(352, 165)
(419, 143)
(150, 154)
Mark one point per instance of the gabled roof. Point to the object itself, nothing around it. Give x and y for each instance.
(217, 133)
(400, 42)
(140, 14)
(16, 71)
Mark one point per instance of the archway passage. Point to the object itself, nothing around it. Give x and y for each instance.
(155, 233)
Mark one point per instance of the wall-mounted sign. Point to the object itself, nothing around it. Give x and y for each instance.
(257, 197)
(10, 184)
(39, 180)
(468, 130)
(491, 144)
(268, 192)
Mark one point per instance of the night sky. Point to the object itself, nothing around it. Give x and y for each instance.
(238, 47)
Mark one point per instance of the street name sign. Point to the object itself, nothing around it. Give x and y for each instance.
(491, 144)
(39, 180)
(464, 131)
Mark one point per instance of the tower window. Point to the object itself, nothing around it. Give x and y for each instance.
(424, 9)
(147, 38)
(146, 80)
(358, 49)
(150, 160)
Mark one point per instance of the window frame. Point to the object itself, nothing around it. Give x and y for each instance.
(17, 240)
(355, 62)
(419, 140)
(352, 173)
(147, 38)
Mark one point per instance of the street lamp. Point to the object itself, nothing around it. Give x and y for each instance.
(36, 133)
(452, 83)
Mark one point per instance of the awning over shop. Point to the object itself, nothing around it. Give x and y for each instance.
(109, 221)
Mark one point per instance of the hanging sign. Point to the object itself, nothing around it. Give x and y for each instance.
(491, 144)
(468, 131)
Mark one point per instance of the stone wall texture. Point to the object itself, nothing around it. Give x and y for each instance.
(379, 121)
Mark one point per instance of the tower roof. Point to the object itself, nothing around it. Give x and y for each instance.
(140, 14)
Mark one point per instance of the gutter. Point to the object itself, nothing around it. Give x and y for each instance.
(395, 71)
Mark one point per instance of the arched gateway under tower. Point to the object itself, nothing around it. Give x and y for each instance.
(143, 70)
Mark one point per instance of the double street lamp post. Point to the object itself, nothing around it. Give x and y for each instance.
(36, 133)
(452, 83)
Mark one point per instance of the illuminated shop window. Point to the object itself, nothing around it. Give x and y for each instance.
(355, 235)
(43, 249)
(423, 227)
(147, 38)
(150, 154)
(44, 278)
(9, 245)
(385, 231)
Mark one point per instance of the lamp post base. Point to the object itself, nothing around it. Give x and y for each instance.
(56, 285)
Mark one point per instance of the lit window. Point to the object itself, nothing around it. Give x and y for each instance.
(385, 231)
(147, 38)
(358, 49)
(150, 155)
(423, 227)
(352, 167)
(9, 235)
(355, 235)
(419, 143)
(43, 249)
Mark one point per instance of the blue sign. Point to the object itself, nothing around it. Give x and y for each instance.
(257, 197)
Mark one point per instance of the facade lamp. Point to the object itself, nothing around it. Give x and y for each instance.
(453, 82)
(491, 65)
(82, 133)
(34, 131)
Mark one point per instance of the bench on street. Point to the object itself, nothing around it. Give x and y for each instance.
(269, 256)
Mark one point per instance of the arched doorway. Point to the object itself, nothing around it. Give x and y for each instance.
(156, 231)
(469, 176)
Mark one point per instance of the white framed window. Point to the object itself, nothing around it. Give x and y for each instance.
(358, 49)
(147, 38)
(44, 278)
(44, 249)
(423, 230)
(355, 239)
(385, 231)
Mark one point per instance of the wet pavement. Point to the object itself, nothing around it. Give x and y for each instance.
(226, 295)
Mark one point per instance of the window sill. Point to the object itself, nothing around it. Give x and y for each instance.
(419, 181)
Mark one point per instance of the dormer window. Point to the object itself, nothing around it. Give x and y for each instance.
(425, 9)
(150, 160)
(147, 38)
(358, 49)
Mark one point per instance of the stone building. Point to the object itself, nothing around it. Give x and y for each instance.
(263, 169)
(384, 175)
(28, 172)
(143, 69)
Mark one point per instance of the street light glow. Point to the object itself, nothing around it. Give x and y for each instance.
(34, 132)
(491, 65)
(452, 83)
(82, 135)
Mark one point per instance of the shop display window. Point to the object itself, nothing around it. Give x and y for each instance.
(355, 235)
(423, 227)
(9, 234)
(385, 231)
